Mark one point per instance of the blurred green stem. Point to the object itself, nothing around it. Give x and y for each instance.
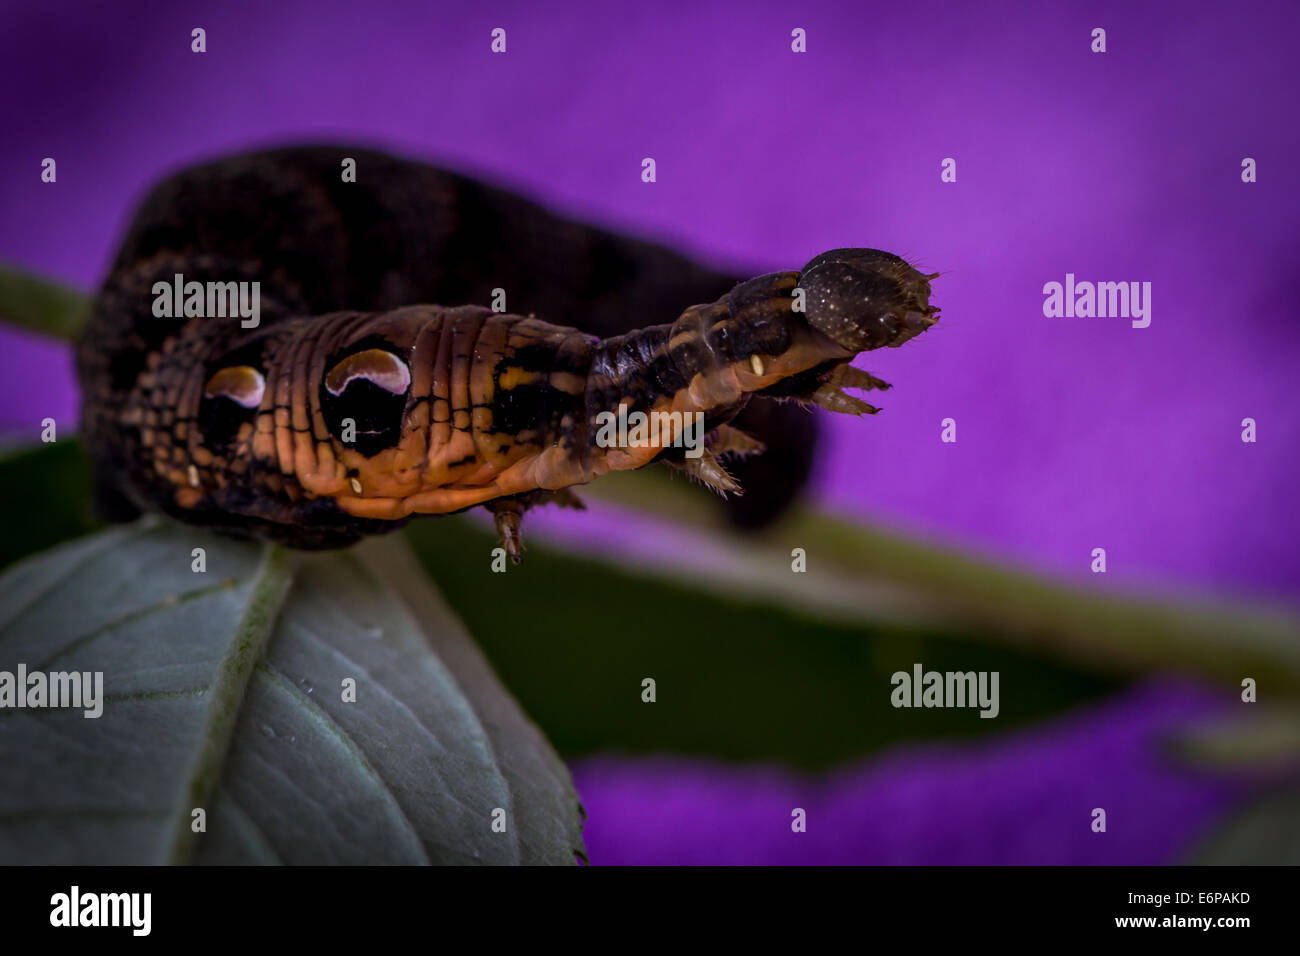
(1223, 641)
(41, 305)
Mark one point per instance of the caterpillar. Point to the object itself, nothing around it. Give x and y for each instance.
(351, 407)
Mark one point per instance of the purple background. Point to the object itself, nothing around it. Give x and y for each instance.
(1023, 800)
(1072, 433)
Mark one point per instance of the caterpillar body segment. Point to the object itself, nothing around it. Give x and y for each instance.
(318, 430)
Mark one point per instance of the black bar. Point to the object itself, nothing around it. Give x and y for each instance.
(307, 905)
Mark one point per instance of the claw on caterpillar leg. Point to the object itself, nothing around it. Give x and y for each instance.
(832, 399)
(509, 517)
(707, 471)
(846, 376)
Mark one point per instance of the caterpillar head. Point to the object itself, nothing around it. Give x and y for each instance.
(864, 298)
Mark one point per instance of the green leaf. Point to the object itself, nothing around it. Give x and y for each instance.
(224, 691)
(42, 305)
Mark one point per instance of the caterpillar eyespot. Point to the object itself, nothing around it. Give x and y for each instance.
(242, 384)
(378, 366)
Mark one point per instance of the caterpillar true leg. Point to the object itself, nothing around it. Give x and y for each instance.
(727, 440)
(509, 516)
(708, 471)
(829, 394)
(832, 399)
(846, 376)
